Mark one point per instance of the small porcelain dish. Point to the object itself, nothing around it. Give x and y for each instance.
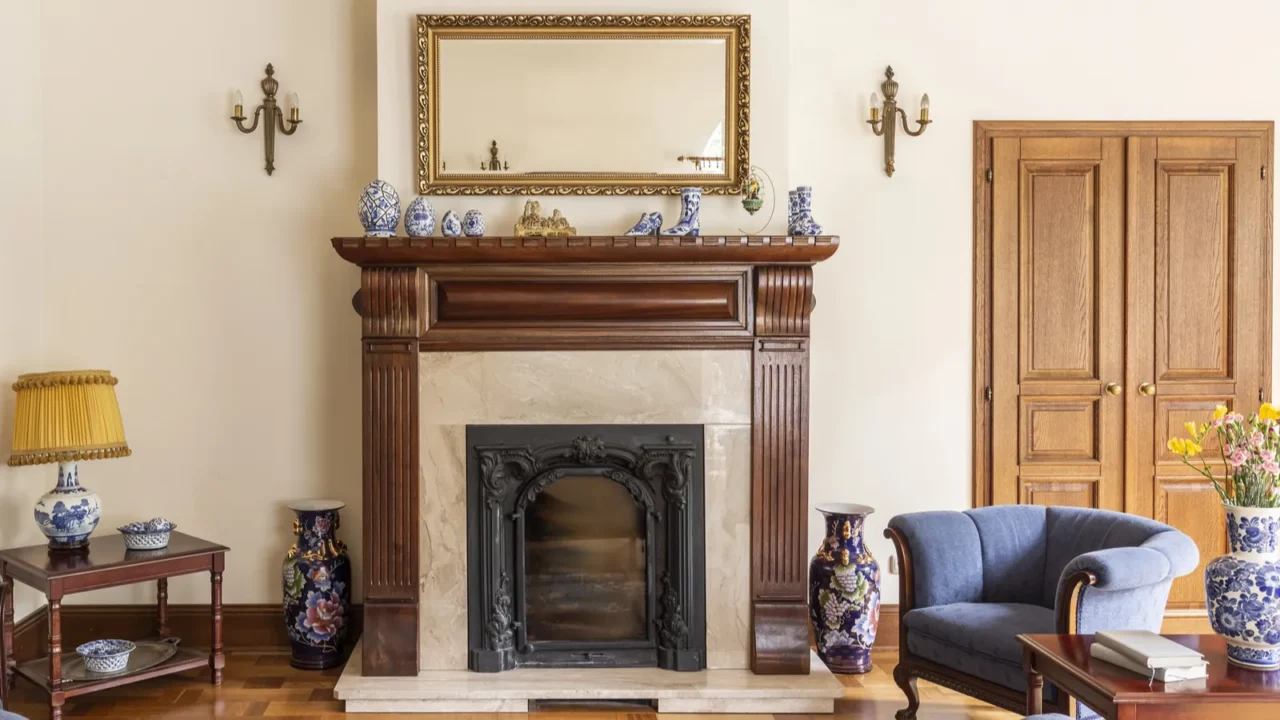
(106, 656)
(150, 535)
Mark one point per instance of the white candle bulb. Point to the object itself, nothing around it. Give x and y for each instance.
(924, 102)
(238, 99)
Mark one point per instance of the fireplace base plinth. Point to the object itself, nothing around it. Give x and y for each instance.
(705, 691)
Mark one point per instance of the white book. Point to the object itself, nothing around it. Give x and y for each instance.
(1148, 649)
(1101, 652)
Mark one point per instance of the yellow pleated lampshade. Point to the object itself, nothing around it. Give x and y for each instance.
(66, 416)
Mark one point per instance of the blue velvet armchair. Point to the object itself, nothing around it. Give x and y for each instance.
(971, 582)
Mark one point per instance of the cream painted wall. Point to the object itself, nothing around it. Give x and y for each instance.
(892, 361)
(209, 288)
(21, 261)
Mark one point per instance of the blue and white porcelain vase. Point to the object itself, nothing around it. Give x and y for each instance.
(317, 586)
(450, 224)
(690, 204)
(473, 223)
(802, 222)
(1243, 588)
(419, 218)
(68, 513)
(844, 591)
(379, 209)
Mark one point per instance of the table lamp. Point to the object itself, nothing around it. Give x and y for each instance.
(65, 417)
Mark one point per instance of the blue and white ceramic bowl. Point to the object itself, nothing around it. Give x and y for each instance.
(106, 656)
(473, 223)
(420, 218)
(150, 535)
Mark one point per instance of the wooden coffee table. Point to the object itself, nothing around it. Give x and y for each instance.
(1118, 694)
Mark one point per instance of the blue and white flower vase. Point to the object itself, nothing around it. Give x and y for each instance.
(844, 591)
(793, 204)
(1243, 588)
(420, 218)
(317, 586)
(473, 223)
(68, 513)
(690, 204)
(450, 225)
(379, 209)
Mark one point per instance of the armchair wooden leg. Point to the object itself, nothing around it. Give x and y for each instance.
(907, 682)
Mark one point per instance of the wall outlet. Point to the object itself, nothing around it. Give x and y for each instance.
(893, 564)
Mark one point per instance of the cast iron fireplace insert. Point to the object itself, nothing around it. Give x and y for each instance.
(585, 546)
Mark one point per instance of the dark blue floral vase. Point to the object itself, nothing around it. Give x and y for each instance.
(844, 591)
(1243, 588)
(317, 586)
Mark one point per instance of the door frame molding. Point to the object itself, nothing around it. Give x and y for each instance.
(983, 132)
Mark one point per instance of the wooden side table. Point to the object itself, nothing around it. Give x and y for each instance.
(106, 564)
(1117, 694)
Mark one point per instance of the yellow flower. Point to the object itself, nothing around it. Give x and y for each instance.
(1220, 412)
(1178, 445)
(1191, 428)
(1268, 412)
(1191, 448)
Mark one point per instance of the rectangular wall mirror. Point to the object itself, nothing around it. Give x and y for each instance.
(587, 105)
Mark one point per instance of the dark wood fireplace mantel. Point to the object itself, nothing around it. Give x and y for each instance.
(748, 293)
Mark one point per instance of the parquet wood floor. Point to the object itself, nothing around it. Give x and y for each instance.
(258, 684)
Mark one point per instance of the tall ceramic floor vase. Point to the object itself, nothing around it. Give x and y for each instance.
(844, 591)
(1243, 588)
(317, 586)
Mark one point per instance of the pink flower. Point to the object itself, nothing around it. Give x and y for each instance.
(1235, 418)
(1238, 458)
(1271, 466)
(1229, 450)
(1217, 423)
(1256, 439)
(1267, 455)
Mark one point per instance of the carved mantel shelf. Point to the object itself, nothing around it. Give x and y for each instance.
(749, 293)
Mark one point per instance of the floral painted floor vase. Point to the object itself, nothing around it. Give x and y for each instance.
(317, 586)
(844, 591)
(1243, 588)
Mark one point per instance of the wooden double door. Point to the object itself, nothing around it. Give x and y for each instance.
(1124, 285)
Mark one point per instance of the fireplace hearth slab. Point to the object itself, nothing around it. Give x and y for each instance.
(706, 691)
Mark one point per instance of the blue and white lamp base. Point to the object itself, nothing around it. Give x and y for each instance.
(68, 513)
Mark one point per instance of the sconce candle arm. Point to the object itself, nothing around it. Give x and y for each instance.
(240, 121)
(877, 127)
(906, 124)
(282, 122)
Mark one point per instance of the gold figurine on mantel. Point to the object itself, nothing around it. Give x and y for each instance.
(533, 224)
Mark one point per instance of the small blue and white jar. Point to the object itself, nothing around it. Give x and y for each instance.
(420, 218)
(450, 224)
(1243, 588)
(68, 513)
(379, 209)
(473, 223)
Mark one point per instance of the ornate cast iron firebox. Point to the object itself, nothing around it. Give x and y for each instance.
(585, 546)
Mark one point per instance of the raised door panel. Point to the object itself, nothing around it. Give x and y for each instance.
(1190, 504)
(1057, 318)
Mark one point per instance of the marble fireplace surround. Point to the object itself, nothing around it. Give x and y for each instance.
(550, 330)
(700, 387)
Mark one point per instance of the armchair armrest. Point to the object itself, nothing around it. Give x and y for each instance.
(1123, 568)
(1118, 588)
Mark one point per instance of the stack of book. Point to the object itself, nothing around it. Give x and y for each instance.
(1149, 655)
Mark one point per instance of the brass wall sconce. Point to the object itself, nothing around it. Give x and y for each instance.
(493, 160)
(888, 127)
(275, 116)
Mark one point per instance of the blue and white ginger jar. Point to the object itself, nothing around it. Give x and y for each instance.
(473, 223)
(379, 209)
(68, 513)
(420, 218)
(844, 591)
(450, 224)
(1243, 588)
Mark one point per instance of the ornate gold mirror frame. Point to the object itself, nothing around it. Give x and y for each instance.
(735, 30)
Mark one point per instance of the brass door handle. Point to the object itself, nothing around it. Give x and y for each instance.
(1114, 389)
(1146, 389)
